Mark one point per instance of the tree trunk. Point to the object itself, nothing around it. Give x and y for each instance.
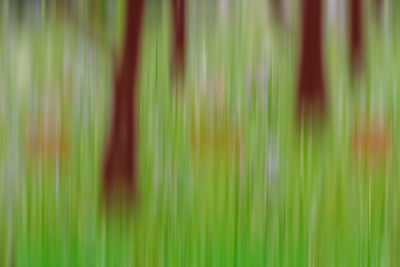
(311, 85)
(179, 38)
(120, 165)
(356, 45)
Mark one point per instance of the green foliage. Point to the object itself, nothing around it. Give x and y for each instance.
(319, 207)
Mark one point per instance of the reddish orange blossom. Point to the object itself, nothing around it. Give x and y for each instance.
(372, 143)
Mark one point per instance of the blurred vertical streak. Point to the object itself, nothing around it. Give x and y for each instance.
(311, 84)
(43, 11)
(5, 6)
(224, 10)
(278, 10)
(178, 57)
(356, 37)
(378, 6)
(11, 177)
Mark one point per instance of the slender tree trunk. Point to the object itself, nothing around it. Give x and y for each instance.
(311, 85)
(120, 165)
(356, 37)
(179, 38)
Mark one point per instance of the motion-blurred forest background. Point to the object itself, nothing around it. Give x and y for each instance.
(232, 169)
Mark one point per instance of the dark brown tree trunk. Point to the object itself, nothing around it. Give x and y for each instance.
(120, 165)
(356, 37)
(179, 38)
(311, 85)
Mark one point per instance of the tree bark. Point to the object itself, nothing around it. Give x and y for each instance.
(311, 84)
(120, 165)
(356, 37)
(178, 57)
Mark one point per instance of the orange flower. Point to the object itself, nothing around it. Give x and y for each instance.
(372, 143)
(50, 143)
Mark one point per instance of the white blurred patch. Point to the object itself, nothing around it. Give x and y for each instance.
(287, 9)
(257, 79)
(336, 13)
(224, 8)
(23, 67)
(271, 163)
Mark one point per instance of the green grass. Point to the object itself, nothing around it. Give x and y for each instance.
(320, 207)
